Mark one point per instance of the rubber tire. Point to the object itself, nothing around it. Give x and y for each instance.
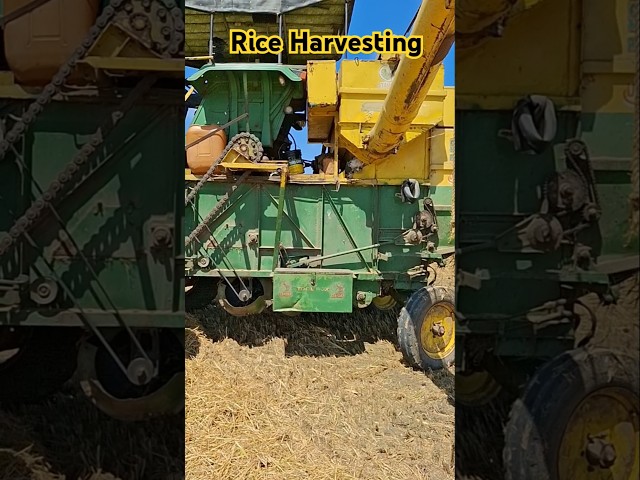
(494, 391)
(409, 324)
(41, 367)
(533, 432)
(115, 382)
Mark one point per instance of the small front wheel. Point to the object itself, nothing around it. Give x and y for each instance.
(426, 328)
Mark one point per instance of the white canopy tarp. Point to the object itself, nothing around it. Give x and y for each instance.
(249, 6)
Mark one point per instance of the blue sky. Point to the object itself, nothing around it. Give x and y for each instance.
(368, 16)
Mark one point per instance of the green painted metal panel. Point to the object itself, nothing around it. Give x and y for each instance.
(608, 137)
(349, 223)
(513, 282)
(261, 91)
(317, 221)
(105, 253)
(490, 211)
(290, 72)
(317, 291)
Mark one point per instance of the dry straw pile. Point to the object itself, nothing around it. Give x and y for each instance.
(66, 438)
(311, 397)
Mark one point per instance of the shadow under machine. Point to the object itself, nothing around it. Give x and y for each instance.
(90, 119)
(368, 220)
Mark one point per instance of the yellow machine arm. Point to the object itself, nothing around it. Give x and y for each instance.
(413, 78)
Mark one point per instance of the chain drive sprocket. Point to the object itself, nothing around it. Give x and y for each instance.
(240, 139)
(49, 91)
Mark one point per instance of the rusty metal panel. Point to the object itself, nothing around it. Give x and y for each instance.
(322, 291)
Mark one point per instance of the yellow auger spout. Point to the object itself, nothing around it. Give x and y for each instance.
(413, 77)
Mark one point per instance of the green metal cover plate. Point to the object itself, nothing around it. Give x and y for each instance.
(325, 291)
(291, 72)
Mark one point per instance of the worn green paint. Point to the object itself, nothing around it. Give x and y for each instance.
(109, 219)
(609, 138)
(313, 291)
(263, 91)
(316, 221)
(513, 282)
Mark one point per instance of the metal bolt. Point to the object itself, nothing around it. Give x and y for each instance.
(161, 236)
(600, 453)
(43, 290)
(244, 295)
(591, 213)
(437, 330)
(361, 296)
(139, 23)
(140, 371)
(576, 148)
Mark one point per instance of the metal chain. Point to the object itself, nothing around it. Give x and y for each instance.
(205, 178)
(214, 211)
(54, 87)
(52, 193)
(58, 187)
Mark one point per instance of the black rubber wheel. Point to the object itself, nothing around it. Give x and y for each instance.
(476, 389)
(570, 402)
(116, 383)
(421, 348)
(46, 359)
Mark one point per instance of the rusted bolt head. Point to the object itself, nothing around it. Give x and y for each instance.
(437, 330)
(600, 453)
(161, 236)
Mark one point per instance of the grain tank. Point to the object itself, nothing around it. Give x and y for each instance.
(367, 221)
(89, 277)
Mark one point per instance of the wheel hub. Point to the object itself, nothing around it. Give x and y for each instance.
(600, 453)
(437, 330)
(244, 295)
(140, 371)
(476, 388)
(601, 431)
(437, 333)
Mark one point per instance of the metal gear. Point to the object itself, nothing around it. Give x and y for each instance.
(236, 139)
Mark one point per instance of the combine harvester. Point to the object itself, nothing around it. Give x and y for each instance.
(548, 92)
(90, 120)
(370, 222)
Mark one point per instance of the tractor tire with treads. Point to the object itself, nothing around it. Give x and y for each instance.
(578, 398)
(46, 359)
(428, 308)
